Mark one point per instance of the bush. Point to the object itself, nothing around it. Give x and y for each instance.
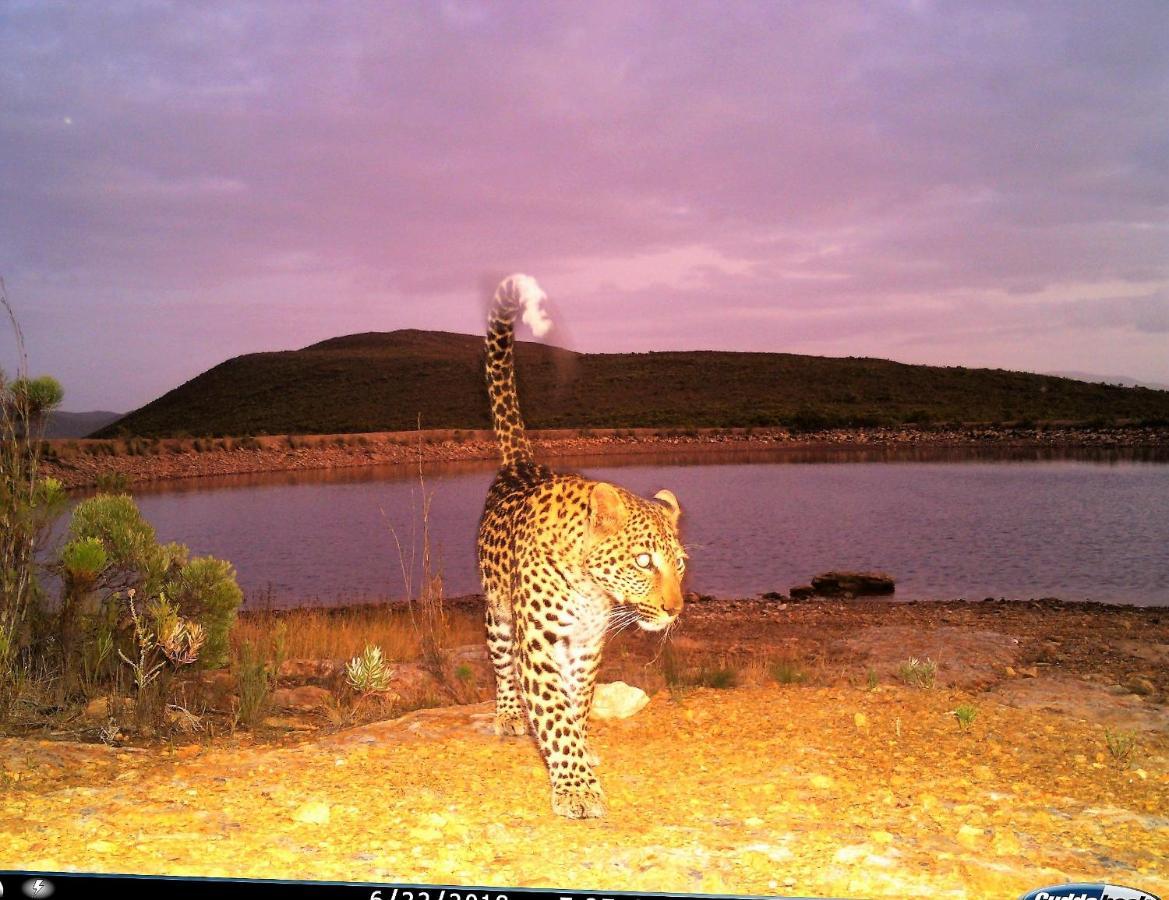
(28, 506)
(368, 673)
(256, 674)
(205, 590)
(137, 560)
(113, 483)
(918, 673)
(965, 714)
(786, 671)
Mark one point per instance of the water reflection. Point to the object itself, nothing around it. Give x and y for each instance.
(947, 522)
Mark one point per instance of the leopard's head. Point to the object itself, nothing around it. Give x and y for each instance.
(633, 553)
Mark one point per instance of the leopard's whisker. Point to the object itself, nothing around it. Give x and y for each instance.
(617, 626)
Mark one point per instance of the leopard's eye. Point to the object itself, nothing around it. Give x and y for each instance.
(643, 560)
(681, 564)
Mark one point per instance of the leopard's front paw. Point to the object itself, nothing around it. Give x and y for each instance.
(508, 723)
(585, 802)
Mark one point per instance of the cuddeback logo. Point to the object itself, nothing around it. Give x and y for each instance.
(1088, 892)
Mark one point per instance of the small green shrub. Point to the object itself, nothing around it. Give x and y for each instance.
(671, 671)
(368, 673)
(206, 590)
(918, 673)
(29, 504)
(1121, 746)
(164, 642)
(720, 678)
(786, 671)
(965, 714)
(256, 680)
(112, 483)
(203, 589)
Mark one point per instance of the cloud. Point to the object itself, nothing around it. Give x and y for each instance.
(822, 165)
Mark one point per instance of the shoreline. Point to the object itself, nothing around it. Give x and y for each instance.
(82, 463)
(474, 603)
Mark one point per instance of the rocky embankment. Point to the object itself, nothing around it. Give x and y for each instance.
(83, 463)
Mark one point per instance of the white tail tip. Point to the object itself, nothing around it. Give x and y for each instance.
(532, 297)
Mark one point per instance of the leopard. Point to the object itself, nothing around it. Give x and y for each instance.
(565, 561)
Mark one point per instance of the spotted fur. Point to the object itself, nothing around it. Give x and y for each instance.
(564, 561)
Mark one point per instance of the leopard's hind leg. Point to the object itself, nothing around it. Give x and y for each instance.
(510, 717)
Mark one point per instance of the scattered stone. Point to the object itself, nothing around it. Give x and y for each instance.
(1157, 653)
(414, 680)
(468, 653)
(314, 812)
(305, 698)
(970, 837)
(1084, 700)
(852, 853)
(618, 700)
(1004, 843)
(310, 669)
(1138, 684)
(219, 689)
(802, 592)
(288, 724)
(773, 595)
(97, 710)
(856, 584)
(101, 846)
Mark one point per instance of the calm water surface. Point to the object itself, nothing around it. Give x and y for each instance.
(964, 527)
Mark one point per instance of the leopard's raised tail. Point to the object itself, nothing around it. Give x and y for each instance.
(516, 295)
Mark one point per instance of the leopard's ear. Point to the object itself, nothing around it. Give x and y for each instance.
(607, 512)
(671, 503)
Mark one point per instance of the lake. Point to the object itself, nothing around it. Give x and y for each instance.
(946, 524)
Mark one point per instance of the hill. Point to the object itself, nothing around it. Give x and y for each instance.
(61, 424)
(395, 381)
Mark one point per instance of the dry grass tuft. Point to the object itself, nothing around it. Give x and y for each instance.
(344, 633)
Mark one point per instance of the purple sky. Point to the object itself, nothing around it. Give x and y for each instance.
(980, 184)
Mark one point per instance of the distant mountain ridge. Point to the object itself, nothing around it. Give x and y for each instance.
(1122, 380)
(60, 424)
(401, 380)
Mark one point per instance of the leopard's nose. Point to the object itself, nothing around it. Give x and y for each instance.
(672, 599)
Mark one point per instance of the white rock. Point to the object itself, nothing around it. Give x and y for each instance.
(618, 700)
(314, 812)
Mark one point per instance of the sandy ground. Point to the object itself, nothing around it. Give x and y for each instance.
(829, 787)
(780, 789)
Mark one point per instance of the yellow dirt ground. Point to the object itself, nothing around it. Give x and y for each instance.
(763, 790)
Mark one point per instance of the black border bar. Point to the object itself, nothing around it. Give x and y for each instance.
(22, 885)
